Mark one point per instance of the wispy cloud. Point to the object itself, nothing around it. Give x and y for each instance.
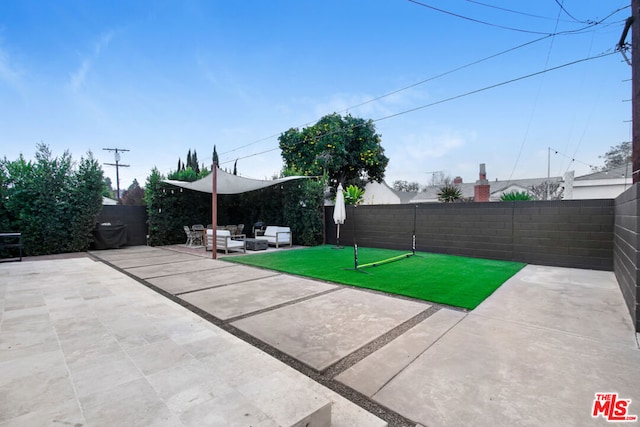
(78, 78)
(9, 73)
(427, 146)
(413, 154)
(367, 105)
(221, 78)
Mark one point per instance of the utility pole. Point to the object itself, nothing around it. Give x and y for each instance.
(118, 166)
(633, 24)
(635, 89)
(548, 171)
(433, 176)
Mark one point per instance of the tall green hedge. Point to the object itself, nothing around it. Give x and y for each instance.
(53, 202)
(171, 208)
(297, 204)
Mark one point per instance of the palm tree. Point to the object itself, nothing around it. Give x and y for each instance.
(449, 193)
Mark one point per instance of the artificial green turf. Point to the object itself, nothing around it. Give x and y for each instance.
(446, 279)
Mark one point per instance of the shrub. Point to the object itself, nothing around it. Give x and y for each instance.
(515, 195)
(449, 193)
(353, 195)
(53, 204)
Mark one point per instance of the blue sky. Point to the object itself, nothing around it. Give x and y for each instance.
(162, 77)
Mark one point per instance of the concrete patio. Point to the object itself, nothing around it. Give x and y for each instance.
(91, 343)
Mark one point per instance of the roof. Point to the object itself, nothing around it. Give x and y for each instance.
(404, 196)
(467, 188)
(613, 173)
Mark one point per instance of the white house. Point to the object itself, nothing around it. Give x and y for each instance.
(381, 194)
(599, 185)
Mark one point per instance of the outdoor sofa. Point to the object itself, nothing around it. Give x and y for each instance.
(277, 235)
(227, 241)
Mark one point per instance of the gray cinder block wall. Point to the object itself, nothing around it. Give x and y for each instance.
(591, 234)
(566, 233)
(626, 253)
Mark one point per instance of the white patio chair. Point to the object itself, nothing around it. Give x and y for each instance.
(189, 234)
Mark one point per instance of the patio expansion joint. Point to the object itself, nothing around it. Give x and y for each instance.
(351, 359)
(178, 274)
(284, 304)
(393, 418)
(224, 284)
(195, 257)
(419, 355)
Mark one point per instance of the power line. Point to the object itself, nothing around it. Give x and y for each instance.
(567, 12)
(520, 30)
(437, 76)
(462, 67)
(516, 11)
(572, 158)
(535, 103)
(457, 15)
(588, 121)
(567, 32)
(452, 98)
(496, 85)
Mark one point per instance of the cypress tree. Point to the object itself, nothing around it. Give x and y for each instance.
(215, 156)
(194, 161)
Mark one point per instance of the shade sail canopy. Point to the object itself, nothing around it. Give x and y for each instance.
(230, 184)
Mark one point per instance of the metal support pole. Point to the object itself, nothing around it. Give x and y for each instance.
(635, 89)
(548, 171)
(118, 179)
(214, 210)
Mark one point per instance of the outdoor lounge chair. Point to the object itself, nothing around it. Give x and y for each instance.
(278, 235)
(227, 241)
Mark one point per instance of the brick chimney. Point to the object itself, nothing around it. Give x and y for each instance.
(457, 180)
(482, 189)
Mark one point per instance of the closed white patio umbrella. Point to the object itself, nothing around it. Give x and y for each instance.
(339, 213)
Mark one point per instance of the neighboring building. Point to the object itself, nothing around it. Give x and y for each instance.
(496, 189)
(599, 185)
(381, 194)
(108, 201)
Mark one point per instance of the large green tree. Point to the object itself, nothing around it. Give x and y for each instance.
(134, 195)
(347, 149)
(618, 155)
(401, 185)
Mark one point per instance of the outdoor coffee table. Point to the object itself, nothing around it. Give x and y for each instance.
(257, 244)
